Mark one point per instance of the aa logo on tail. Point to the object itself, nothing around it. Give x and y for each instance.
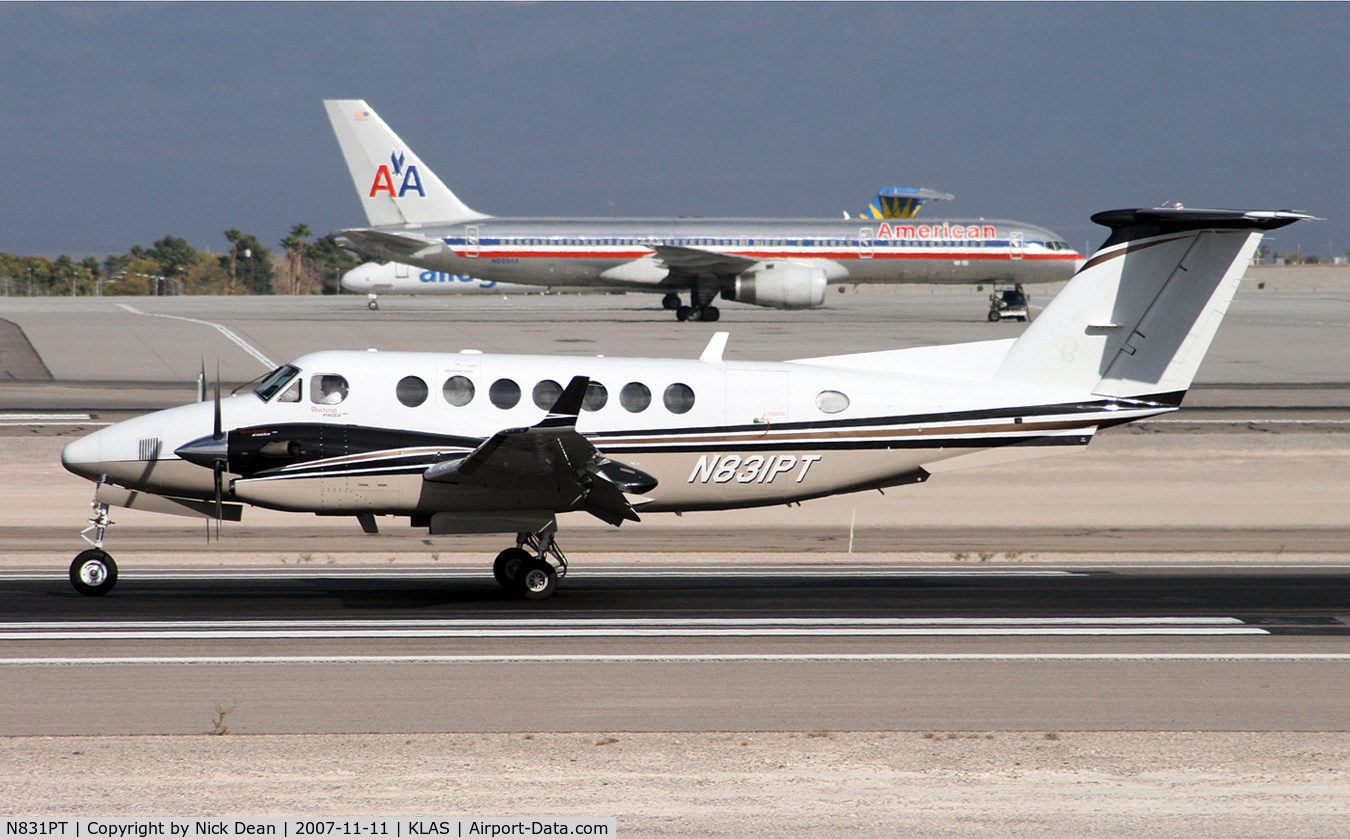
(384, 178)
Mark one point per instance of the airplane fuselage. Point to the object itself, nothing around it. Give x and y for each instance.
(621, 252)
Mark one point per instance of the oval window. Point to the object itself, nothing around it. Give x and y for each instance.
(458, 391)
(327, 389)
(679, 398)
(504, 393)
(831, 401)
(546, 393)
(596, 397)
(635, 397)
(411, 391)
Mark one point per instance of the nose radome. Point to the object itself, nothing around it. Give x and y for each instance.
(84, 455)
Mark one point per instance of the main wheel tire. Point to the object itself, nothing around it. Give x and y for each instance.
(537, 579)
(372, 305)
(684, 314)
(670, 301)
(93, 573)
(506, 568)
(709, 314)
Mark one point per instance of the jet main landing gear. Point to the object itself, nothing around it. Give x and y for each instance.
(529, 573)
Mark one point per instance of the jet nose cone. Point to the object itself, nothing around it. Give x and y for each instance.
(84, 457)
(205, 451)
(360, 277)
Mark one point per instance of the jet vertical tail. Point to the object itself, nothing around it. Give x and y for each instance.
(1137, 320)
(394, 186)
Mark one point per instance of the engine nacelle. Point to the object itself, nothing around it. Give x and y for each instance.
(780, 285)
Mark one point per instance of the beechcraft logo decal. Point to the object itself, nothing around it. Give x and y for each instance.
(409, 179)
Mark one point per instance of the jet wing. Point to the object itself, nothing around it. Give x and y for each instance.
(388, 244)
(554, 456)
(698, 261)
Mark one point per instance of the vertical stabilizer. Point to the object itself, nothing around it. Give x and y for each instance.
(394, 186)
(1137, 320)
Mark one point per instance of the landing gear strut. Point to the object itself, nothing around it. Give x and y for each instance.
(526, 569)
(698, 308)
(93, 573)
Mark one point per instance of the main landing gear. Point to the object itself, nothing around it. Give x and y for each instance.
(93, 573)
(697, 309)
(529, 573)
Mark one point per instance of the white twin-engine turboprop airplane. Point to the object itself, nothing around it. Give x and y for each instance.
(475, 443)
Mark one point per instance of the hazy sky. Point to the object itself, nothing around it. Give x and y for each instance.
(126, 122)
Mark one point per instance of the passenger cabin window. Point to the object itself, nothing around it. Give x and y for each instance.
(327, 389)
(275, 381)
(504, 393)
(596, 397)
(831, 401)
(458, 391)
(635, 397)
(411, 391)
(546, 393)
(291, 394)
(679, 398)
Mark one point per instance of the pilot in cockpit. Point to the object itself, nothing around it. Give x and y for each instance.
(331, 390)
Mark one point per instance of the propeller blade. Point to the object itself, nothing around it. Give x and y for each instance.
(219, 469)
(201, 382)
(218, 433)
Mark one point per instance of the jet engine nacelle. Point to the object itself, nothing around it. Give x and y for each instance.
(781, 286)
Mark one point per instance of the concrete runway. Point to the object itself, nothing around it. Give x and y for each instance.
(1186, 574)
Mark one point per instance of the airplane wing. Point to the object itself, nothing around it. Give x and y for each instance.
(551, 454)
(698, 261)
(387, 244)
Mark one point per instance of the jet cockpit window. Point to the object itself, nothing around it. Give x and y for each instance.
(831, 401)
(504, 393)
(411, 391)
(635, 397)
(679, 398)
(546, 393)
(275, 381)
(291, 394)
(327, 389)
(458, 391)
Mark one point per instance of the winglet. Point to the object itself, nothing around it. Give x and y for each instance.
(564, 411)
(712, 354)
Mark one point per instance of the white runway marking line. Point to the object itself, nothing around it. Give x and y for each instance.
(48, 419)
(622, 628)
(731, 658)
(244, 345)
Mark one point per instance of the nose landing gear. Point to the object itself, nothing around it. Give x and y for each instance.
(93, 573)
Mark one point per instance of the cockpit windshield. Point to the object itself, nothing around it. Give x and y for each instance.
(275, 381)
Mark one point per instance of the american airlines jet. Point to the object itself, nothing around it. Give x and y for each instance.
(782, 263)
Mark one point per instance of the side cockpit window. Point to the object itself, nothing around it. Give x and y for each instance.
(292, 393)
(275, 381)
(327, 389)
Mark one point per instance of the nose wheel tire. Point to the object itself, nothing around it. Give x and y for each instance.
(93, 573)
(373, 306)
(537, 579)
(506, 568)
